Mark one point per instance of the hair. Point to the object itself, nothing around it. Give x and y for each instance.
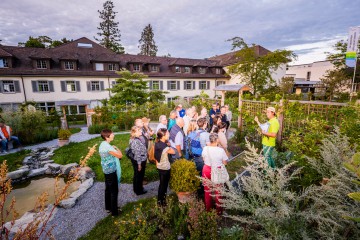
(192, 127)
(173, 112)
(133, 131)
(222, 125)
(161, 133)
(216, 119)
(201, 122)
(105, 133)
(213, 137)
(223, 107)
(161, 117)
(215, 129)
(138, 120)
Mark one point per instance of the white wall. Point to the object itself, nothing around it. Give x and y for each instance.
(6, 98)
(317, 69)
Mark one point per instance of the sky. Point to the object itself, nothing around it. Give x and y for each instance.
(191, 28)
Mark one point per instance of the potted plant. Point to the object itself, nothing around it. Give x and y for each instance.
(63, 135)
(184, 179)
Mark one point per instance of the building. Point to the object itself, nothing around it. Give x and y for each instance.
(79, 74)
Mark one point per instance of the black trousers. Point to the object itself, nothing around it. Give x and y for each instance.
(138, 177)
(111, 193)
(164, 176)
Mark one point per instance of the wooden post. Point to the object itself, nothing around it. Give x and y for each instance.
(64, 124)
(223, 98)
(281, 121)
(240, 114)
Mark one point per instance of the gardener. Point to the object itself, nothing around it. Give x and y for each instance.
(110, 164)
(269, 131)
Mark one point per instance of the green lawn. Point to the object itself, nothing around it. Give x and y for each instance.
(236, 166)
(74, 130)
(74, 151)
(14, 160)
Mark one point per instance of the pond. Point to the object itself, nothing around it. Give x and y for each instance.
(26, 193)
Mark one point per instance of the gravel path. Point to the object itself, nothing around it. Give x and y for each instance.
(75, 222)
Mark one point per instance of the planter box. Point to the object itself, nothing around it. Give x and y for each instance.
(63, 142)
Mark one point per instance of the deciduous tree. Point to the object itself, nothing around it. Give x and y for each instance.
(335, 81)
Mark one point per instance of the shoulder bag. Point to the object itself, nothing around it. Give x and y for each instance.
(219, 175)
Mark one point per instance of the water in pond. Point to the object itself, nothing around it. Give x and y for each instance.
(27, 193)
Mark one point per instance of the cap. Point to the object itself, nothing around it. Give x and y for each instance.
(272, 109)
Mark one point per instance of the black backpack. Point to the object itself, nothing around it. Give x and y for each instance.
(129, 153)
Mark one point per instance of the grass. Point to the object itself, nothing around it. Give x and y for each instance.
(235, 166)
(74, 151)
(106, 228)
(14, 160)
(74, 130)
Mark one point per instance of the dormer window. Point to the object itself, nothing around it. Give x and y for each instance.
(4, 63)
(187, 69)
(154, 68)
(69, 65)
(41, 64)
(137, 67)
(177, 69)
(112, 67)
(202, 70)
(218, 70)
(99, 66)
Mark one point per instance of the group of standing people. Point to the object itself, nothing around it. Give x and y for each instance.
(200, 138)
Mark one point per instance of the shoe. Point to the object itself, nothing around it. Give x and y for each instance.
(4, 152)
(141, 193)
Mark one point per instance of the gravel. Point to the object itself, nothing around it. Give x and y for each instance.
(77, 221)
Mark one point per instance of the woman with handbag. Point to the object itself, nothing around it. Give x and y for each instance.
(214, 169)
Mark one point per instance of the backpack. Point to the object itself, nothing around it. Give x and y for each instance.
(129, 153)
(194, 143)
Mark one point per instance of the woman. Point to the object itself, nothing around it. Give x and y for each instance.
(223, 142)
(228, 116)
(216, 121)
(162, 163)
(147, 131)
(213, 156)
(139, 163)
(110, 164)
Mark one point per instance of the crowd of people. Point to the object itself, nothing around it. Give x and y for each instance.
(201, 138)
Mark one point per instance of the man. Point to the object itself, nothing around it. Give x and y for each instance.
(7, 134)
(162, 123)
(228, 115)
(187, 118)
(181, 111)
(176, 138)
(172, 119)
(269, 131)
(212, 114)
(3, 142)
(223, 116)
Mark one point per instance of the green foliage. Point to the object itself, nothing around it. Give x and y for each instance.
(43, 42)
(256, 69)
(96, 128)
(234, 232)
(14, 160)
(287, 84)
(147, 43)
(184, 176)
(64, 134)
(109, 35)
(335, 82)
(201, 101)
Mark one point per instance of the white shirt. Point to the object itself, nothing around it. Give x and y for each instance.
(179, 140)
(160, 125)
(214, 156)
(187, 120)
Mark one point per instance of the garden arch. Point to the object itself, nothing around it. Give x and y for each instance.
(240, 88)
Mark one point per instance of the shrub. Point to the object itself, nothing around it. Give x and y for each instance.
(184, 176)
(64, 134)
(96, 128)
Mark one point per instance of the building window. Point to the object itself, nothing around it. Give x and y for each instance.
(99, 66)
(220, 83)
(177, 69)
(202, 85)
(8, 86)
(202, 70)
(218, 70)
(69, 65)
(112, 67)
(70, 86)
(188, 85)
(137, 67)
(187, 69)
(154, 68)
(43, 86)
(172, 85)
(4, 63)
(308, 76)
(171, 99)
(47, 107)
(156, 85)
(95, 86)
(41, 64)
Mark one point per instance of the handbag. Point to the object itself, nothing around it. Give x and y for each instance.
(129, 153)
(219, 175)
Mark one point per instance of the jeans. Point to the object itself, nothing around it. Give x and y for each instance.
(16, 140)
(111, 193)
(3, 144)
(199, 162)
(138, 177)
(164, 176)
(267, 150)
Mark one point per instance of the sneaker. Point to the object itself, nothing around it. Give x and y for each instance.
(4, 152)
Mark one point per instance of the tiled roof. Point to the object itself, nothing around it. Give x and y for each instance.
(4, 53)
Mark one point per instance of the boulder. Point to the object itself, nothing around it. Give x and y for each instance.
(37, 172)
(26, 160)
(68, 203)
(86, 173)
(65, 169)
(78, 193)
(48, 161)
(54, 166)
(86, 184)
(18, 174)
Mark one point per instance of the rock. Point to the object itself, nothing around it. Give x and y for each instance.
(86, 184)
(86, 173)
(54, 166)
(65, 169)
(24, 167)
(48, 161)
(18, 174)
(37, 172)
(26, 160)
(48, 171)
(68, 203)
(78, 193)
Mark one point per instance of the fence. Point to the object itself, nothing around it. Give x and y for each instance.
(291, 114)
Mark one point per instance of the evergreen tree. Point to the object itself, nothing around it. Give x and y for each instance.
(147, 44)
(109, 35)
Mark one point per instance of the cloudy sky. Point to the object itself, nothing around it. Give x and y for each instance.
(190, 28)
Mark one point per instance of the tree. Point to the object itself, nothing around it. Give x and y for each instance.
(147, 42)
(286, 85)
(43, 42)
(338, 58)
(109, 35)
(335, 82)
(256, 69)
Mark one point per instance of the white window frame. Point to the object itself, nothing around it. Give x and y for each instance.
(8, 86)
(43, 86)
(218, 70)
(46, 106)
(112, 67)
(154, 68)
(70, 86)
(187, 69)
(156, 85)
(187, 85)
(172, 84)
(218, 83)
(95, 86)
(69, 65)
(4, 63)
(41, 64)
(171, 99)
(202, 70)
(177, 69)
(201, 85)
(99, 67)
(136, 67)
